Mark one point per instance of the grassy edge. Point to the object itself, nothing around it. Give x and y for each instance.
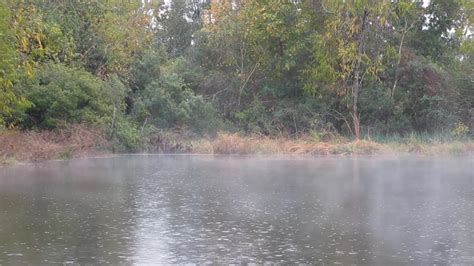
(234, 144)
(227, 143)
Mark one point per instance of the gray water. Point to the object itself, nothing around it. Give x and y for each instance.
(180, 209)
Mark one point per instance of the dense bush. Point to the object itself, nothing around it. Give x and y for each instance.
(125, 135)
(60, 93)
(169, 102)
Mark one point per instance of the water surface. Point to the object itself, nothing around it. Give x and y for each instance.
(179, 209)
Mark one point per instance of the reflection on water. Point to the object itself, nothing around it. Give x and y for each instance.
(178, 209)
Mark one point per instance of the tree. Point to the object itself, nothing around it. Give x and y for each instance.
(351, 51)
(9, 101)
(176, 24)
(107, 35)
(407, 14)
(434, 37)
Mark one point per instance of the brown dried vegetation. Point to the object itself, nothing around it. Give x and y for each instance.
(235, 144)
(66, 142)
(80, 140)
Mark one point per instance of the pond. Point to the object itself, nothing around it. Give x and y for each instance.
(239, 209)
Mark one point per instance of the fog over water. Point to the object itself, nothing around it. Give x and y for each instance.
(233, 209)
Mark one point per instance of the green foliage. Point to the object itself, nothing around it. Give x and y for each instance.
(38, 38)
(9, 101)
(169, 102)
(433, 39)
(147, 67)
(60, 93)
(107, 35)
(178, 21)
(460, 131)
(255, 119)
(127, 136)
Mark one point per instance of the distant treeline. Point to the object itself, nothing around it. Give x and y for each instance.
(285, 68)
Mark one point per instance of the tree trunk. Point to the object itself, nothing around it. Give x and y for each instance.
(357, 82)
(356, 121)
(112, 133)
(241, 90)
(406, 28)
(143, 126)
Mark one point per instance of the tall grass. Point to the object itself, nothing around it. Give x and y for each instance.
(63, 143)
(81, 140)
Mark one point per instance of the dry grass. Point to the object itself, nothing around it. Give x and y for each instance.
(433, 149)
(67, 142)
(202, 146)
(80, 141)
(226, 143)
(230, 144)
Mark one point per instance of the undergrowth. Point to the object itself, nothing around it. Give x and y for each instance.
(81, 140)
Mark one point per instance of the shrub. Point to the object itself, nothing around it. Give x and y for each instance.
(125, 136)
(128, 139)
(60, 93)
(169, 102)
(460, 131)
(254, 119)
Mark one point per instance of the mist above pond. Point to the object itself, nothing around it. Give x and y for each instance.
(179, 209)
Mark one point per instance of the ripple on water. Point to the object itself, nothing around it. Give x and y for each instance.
(200, 210)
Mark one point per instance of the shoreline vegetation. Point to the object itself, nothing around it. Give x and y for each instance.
(80, 141)
(84, 78)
